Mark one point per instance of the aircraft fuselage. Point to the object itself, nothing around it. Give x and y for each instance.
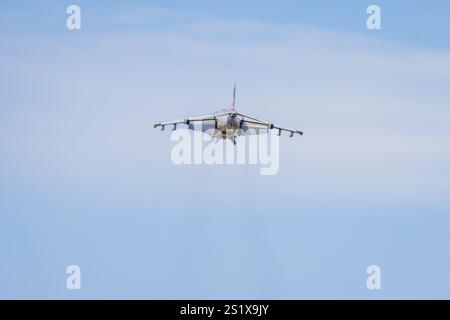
(228, 126)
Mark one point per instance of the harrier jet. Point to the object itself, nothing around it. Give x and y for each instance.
(227, 124)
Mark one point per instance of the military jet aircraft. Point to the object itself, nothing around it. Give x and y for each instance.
(227, 124)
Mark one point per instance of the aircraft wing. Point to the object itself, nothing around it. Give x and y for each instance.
(204, 120)
(259, 125)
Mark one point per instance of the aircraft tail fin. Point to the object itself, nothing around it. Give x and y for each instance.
(233, 104)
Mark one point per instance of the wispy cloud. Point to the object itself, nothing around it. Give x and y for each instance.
(374, 113)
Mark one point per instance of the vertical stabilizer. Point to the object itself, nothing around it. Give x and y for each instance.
(233, 104)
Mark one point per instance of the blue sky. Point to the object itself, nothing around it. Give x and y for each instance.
(86, 180)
